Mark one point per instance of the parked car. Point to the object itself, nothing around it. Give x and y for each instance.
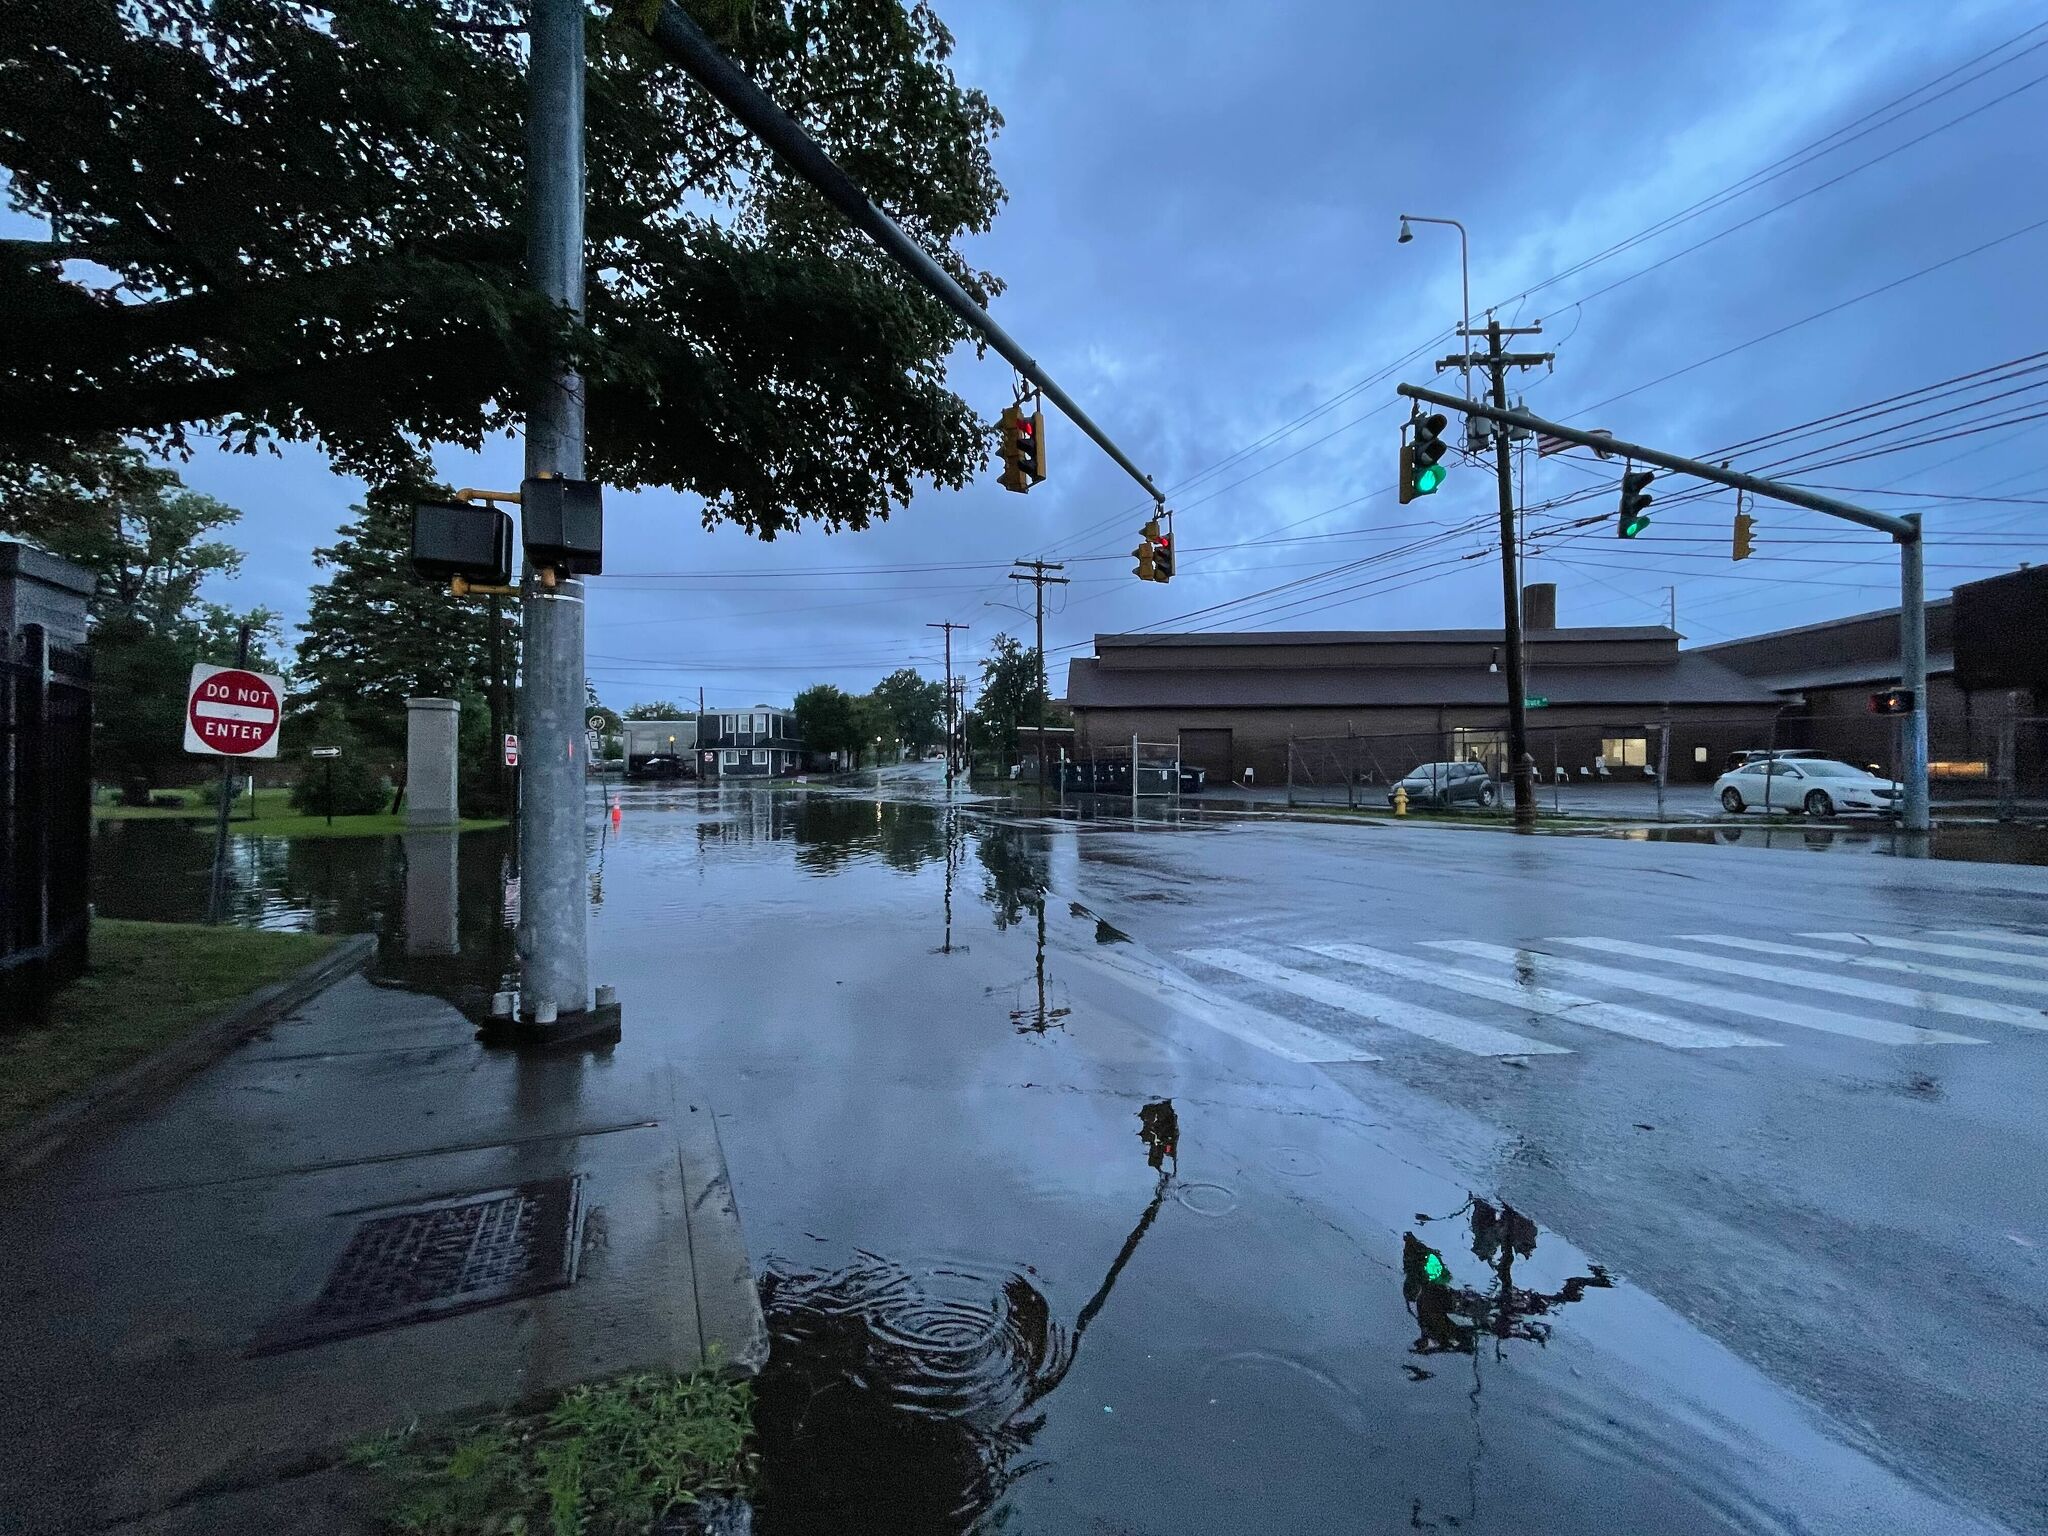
(1818, 786)
(1448, 784)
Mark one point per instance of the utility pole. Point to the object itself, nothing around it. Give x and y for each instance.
(1497, 362)
(554, 917)
(952, 736)
(1904, 530)
(1039, 582)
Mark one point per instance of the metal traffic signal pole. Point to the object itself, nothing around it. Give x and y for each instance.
(1914, 814)
(684, 41)
(554, 933)
(1497, 363)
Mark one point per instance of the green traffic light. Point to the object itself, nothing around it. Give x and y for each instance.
(1428, 478)
(1432, 1268)
(1634, 526)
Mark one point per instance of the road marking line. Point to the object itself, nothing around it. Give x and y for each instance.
(1459, 1034)
(1269, 1032)
(1799, 1015)
(2033, 986)
(2029, 940)
(1874, 991)
(1568, 1006)
(1921, 946)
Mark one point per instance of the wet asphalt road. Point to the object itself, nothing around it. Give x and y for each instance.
(1095, 1186)
(1073, 1209)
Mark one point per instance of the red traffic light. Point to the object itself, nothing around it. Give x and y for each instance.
(1892, 701)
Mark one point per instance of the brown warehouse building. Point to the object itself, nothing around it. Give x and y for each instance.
(1372, 704)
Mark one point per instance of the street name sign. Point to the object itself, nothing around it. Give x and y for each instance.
(232, 712)
(1538, 702)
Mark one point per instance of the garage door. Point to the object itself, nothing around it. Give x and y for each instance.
(1207, 749)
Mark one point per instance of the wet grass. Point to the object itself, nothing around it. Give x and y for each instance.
(149, 984)
(601, 1460)
(274, 816)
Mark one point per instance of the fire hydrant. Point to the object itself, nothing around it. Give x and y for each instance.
(1400, 800)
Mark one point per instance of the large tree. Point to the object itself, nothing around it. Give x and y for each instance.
(149, 544)
(1010, 693)
(284, 220)
(914, 706)
(827, 721)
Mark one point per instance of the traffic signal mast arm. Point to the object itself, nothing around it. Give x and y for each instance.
(684, 41)
(1905, 530)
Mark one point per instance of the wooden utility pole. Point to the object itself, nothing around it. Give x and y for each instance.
(1034, 572)
(1497, 362)
(952, 734)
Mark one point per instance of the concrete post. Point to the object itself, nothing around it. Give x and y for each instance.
(431, 729)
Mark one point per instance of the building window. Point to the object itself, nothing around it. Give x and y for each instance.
(760, 758)
(1699, 754)
(728, 759)
(1625, 751)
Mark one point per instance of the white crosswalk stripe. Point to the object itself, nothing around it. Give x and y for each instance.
(2032, 986)
(2022, 940)
(1545, 1001)
(1873, 991)
(1925, 947)
(1443, 1028)
(1726, 999)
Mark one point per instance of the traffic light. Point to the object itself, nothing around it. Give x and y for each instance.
(1892, 701)
(1421, 473)
(1634, 519)
(1147, 553)
(1162, 557)
(1023, 448)
(1745, 536)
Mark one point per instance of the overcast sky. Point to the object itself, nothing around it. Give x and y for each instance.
(1199, 245)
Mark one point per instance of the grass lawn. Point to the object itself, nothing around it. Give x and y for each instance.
(274, 815)
(149, 984)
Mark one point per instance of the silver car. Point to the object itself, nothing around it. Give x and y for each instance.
(1448, 784)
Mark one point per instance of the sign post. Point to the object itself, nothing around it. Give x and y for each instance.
(230, 712)
(328, 755)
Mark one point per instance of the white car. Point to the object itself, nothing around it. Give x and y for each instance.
(1817, 786)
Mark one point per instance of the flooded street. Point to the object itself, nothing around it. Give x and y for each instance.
(1089, 1190)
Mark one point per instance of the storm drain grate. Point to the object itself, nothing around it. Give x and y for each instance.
(442, 1257)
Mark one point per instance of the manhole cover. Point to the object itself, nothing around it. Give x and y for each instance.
(442, 1257)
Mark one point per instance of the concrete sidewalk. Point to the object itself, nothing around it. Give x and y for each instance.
(232, 1284)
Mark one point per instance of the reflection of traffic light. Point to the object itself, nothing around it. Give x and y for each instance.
(1745, 536)
(1421, 473)
(1634, 519)
(1159, 1129)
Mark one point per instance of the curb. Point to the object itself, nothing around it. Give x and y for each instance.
(27, 1145)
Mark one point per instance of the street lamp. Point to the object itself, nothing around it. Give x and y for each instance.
(1464, 273)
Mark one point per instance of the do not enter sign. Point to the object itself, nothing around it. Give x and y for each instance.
(232, 713)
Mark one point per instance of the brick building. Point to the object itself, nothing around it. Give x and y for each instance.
(1395, 698)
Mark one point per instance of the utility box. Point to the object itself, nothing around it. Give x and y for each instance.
(453, 538)
(563, 524)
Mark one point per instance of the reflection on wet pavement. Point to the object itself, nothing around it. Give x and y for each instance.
(1452, 1317)
(916, 1393)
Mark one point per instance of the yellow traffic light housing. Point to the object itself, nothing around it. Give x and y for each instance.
(1023, 448)
(1745, 536)
(1144, 570)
